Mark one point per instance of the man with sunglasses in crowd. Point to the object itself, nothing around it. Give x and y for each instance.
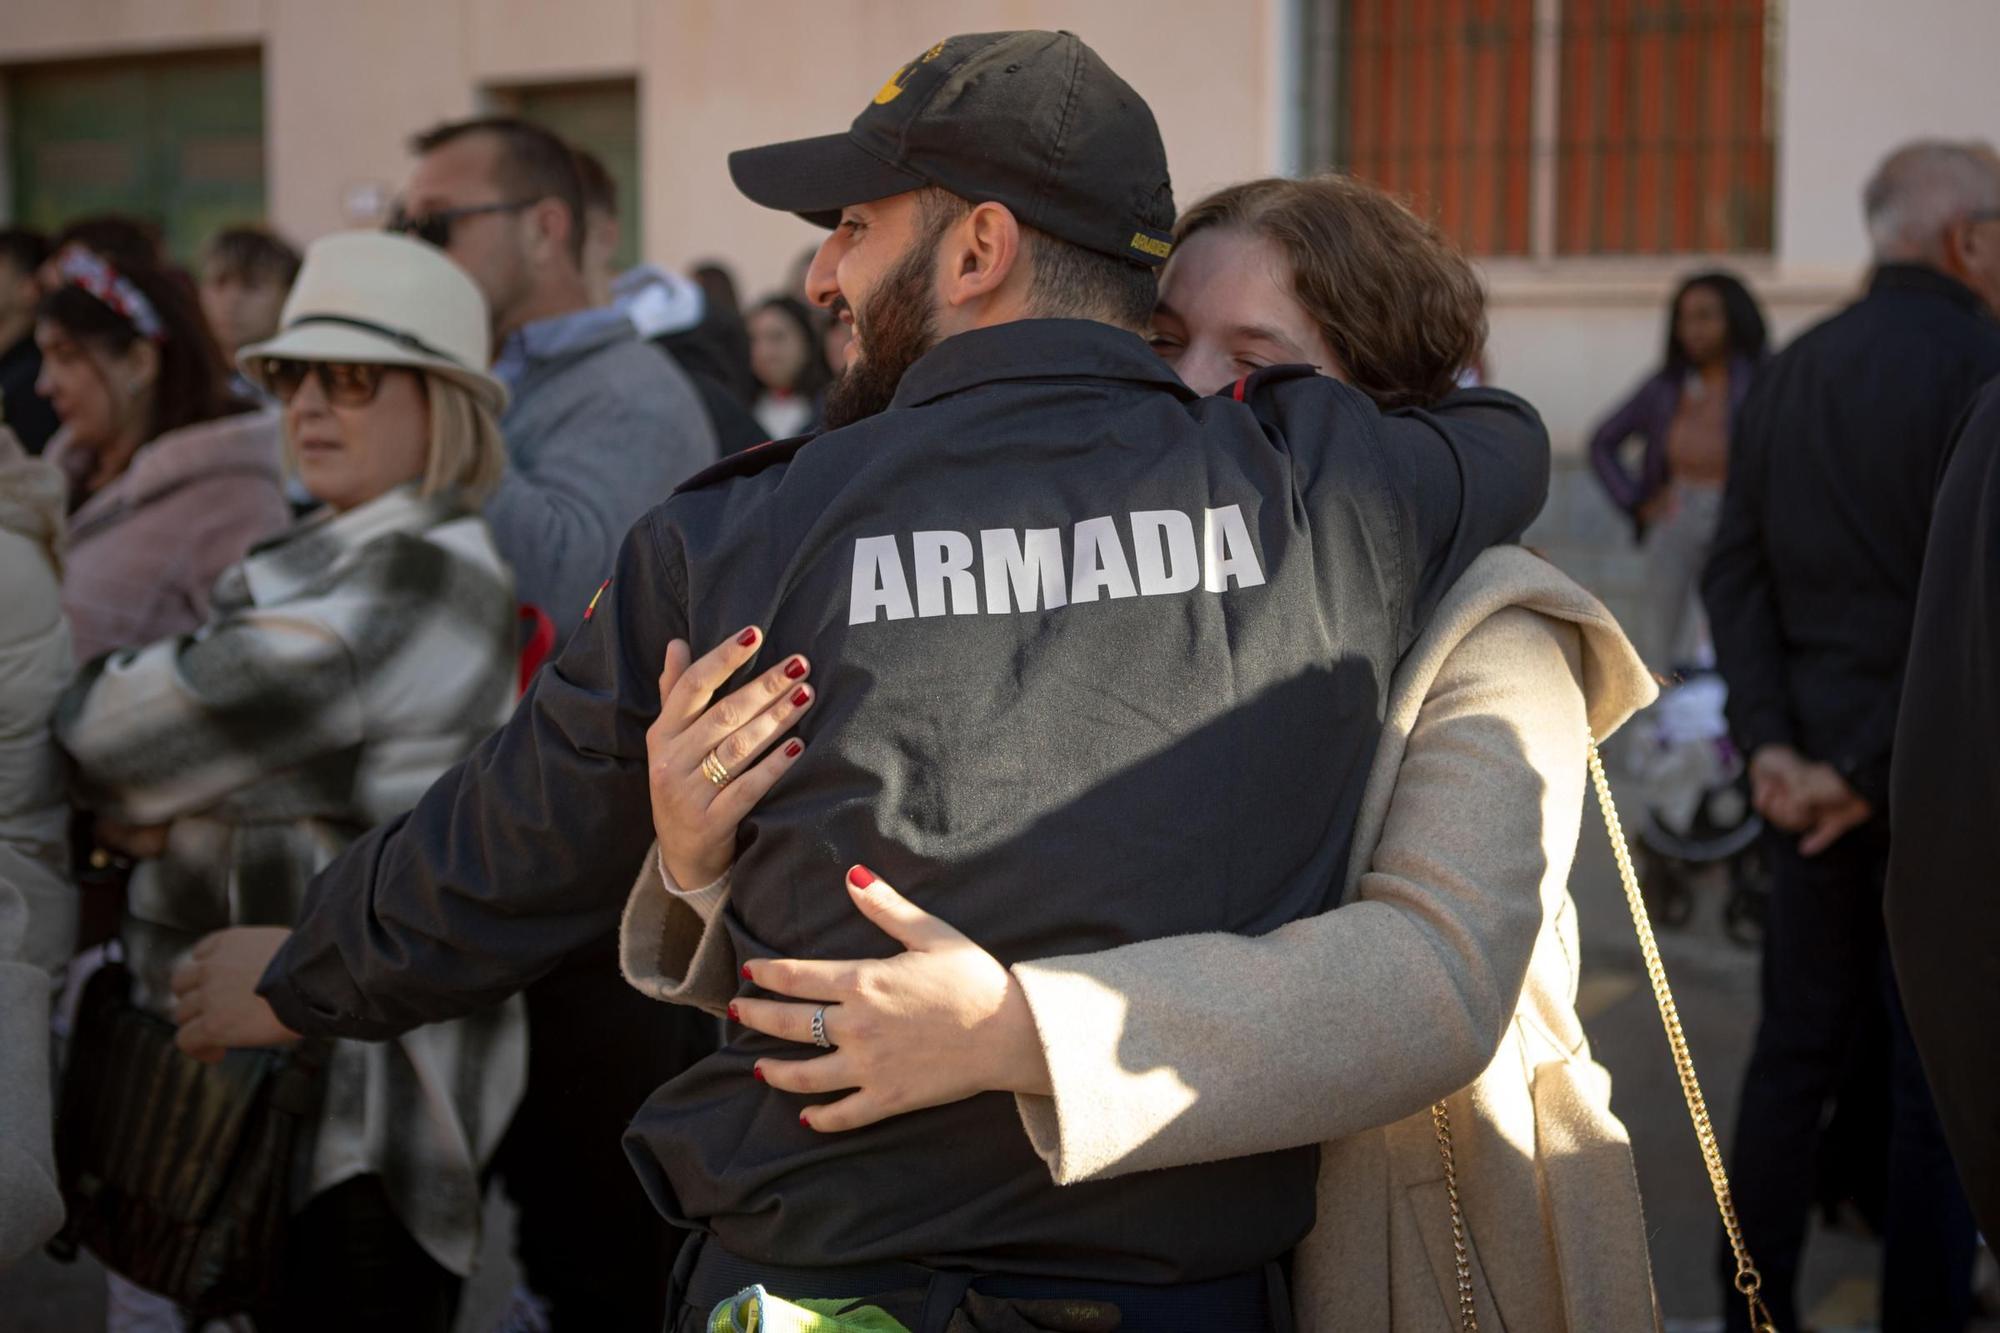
(600, 428)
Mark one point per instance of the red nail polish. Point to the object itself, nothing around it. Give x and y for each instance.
(734, 1017)
(793, 749)
(757, 1072)
(795, 668)
(746, 973)
(861, 877)
(807, 1123)
(799, 697)
(747, 637)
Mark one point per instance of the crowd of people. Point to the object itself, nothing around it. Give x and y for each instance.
(438, 753)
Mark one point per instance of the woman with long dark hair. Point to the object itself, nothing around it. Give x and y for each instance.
(1684, 413)
(172, 478)
(790, 366)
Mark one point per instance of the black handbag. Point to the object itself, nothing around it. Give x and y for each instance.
(178, 1175)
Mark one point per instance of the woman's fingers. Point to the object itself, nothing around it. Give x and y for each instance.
(784, 1020)
(679, 656)
(738, 727)
(827, 1073)
(735, 801)
(684, 701)
(896, 916)
(851, 1112)
(805, 978)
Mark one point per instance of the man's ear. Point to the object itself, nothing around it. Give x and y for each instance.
(553, 226)
(983, 252)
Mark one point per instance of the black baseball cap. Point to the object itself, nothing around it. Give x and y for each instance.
(1033, 120)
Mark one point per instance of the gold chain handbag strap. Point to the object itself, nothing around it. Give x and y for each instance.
(1748, 1282)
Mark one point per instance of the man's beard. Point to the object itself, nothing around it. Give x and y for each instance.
(896, 325)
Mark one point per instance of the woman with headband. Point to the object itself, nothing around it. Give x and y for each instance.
(171, 479)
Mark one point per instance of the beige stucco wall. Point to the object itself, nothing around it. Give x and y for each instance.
(347, 82)
(1860, 77)
(729, 76)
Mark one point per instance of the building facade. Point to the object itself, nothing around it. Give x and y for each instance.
(1589, 151)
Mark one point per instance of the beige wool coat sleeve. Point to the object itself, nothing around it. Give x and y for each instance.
(1450, 971)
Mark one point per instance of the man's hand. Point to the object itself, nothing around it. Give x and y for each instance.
(216, 1002)
(1777, 775)
(1837, 809)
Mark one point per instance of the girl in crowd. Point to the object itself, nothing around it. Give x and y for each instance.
(341, 667)
(790, 365)
(171, 478)
(1684, 414)
(1451, 964)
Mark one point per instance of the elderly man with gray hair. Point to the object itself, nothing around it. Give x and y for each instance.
(1811, 592)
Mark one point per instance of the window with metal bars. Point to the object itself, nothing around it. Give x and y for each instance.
(1546, 128)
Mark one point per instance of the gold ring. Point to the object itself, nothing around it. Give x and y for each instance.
(712, 768)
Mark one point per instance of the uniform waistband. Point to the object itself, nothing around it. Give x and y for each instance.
(1253, 1302)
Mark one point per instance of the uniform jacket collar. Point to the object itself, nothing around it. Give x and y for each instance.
(280, 569)
(1035, 349)
(1924, 278)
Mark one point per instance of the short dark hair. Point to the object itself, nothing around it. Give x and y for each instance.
(253, 253)
(24, 248)
(535, 164)
(1068, 282)
(194, 382)
(600, 189)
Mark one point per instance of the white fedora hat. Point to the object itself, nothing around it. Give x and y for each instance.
(373, 297)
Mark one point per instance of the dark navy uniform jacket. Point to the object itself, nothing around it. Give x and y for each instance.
(1098, 661)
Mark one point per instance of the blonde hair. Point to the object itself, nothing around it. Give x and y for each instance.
(467, 454)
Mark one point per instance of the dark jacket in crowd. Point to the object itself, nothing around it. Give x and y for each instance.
(1083, 642)
(22, 410)
(1944, 876)
(1813, 581)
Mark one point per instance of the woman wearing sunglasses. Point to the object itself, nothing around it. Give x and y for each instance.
(343, 666)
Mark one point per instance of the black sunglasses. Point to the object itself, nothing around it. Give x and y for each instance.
(345, 383)
(434, 228)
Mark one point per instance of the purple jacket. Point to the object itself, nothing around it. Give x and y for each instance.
(1649, 413)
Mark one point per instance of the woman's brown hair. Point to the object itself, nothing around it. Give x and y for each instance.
(193, 383)
(1397, 303)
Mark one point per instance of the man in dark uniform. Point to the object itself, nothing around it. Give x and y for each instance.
(1065, 614)
(1811, 593)
(1944, 795)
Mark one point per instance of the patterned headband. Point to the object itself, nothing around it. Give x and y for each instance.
(81, 268)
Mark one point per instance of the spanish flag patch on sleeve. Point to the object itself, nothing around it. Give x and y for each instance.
(595, 597)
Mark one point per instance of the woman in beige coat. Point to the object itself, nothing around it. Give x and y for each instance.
(1451, 965)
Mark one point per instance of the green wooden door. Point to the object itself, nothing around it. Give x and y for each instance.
(176, 140)
(602, 117)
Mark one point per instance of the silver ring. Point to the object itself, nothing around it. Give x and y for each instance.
(819, 1029)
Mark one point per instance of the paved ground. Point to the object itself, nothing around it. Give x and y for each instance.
(1715, 984)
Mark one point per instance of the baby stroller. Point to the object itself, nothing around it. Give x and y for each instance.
(1698, 814)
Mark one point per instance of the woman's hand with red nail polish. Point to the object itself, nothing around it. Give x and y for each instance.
(694, 819)
(937, 1023)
